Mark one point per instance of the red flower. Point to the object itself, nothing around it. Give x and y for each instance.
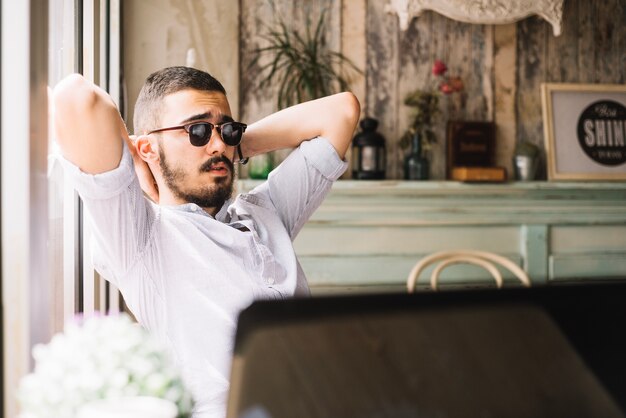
(439, 68)
(456, 83)
(446, 88)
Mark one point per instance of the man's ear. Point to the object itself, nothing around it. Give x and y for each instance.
(147, 148)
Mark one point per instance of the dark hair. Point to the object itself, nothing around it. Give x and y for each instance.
(162, 83)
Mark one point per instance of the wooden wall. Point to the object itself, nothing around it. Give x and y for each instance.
(592, 49)
(257, 18)
(502, 66)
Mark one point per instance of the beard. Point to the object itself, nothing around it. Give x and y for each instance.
(206, 195)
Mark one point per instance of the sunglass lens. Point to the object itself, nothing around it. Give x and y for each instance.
(231, 133)
(199, 134)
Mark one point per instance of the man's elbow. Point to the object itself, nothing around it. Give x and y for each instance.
(74, 94)
(351, 107)
(345, 117)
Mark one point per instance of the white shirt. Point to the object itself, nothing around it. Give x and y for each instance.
(186, 275)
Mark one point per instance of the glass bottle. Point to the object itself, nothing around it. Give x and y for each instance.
(416, 167)
(260, 166)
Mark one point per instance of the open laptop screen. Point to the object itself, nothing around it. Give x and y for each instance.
(542, 352)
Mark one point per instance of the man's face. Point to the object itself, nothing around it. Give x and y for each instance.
(202, 175)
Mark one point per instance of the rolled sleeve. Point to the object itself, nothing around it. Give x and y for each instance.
(121, 218)
(322, 155)
(299, 184)
(104, 185)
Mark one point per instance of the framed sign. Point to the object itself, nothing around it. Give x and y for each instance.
(585, 131)
(470, 144)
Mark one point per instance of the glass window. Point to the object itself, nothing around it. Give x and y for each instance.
(61, 62)
(85, 40)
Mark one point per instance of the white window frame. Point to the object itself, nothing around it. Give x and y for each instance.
(27, 287)
(100, 64)
(26, 295)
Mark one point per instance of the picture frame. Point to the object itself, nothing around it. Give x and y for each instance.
(584, 131)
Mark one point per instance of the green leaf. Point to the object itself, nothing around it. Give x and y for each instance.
(300, 62)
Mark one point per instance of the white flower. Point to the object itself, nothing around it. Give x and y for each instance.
(100, 357)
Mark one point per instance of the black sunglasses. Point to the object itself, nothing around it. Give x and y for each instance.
(200, 132)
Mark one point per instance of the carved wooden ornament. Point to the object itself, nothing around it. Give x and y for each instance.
(480, 11)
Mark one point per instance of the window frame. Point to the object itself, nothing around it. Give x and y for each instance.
(31, 309)
(26, 296)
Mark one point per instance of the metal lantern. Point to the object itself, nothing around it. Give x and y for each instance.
(368, 152)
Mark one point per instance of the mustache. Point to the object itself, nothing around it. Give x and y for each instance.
(206, 166)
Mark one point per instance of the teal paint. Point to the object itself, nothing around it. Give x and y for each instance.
(368, 234)
(535, 241)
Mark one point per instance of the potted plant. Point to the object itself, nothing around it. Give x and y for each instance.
(420, 134)
(526, 160)
(303, 67)
(301, 64)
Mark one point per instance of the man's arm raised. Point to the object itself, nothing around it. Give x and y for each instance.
(88, 126)
(90, 130)
(332, 117)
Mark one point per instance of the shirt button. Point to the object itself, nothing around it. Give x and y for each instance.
(270, 281)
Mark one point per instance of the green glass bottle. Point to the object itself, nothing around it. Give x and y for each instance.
(260, 166)
(416, 167)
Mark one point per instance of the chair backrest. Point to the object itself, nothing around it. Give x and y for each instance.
(485, 259)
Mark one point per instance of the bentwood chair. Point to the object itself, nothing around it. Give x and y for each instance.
(487, 260)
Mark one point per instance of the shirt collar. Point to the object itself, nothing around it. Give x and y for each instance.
(193, 208)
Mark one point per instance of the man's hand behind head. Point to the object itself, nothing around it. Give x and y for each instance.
(144, 174)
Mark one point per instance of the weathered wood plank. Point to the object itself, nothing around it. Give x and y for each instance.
(562, 51)
(620, 34)
(505, 89)
(455, 51)
(377, 239)
(458, 54)
(354, 47)
(585, 42)
(534, 249)
(488, 72)
(607, 58)
(353, 43)
(531, 72)
(392, 269)
(586, 266)
(481, 68)
(413, 73)
(566, 239)
(382, 79)
(440, 49)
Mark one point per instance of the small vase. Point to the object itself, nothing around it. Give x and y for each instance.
(525, 167)
(416, 167)
(260, 166)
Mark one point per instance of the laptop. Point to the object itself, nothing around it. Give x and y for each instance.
(539, 352)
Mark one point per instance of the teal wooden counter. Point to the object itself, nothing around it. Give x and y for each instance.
(367, 235)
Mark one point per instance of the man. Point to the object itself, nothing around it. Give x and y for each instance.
(188, 262)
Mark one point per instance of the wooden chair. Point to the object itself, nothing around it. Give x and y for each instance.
(484, 259)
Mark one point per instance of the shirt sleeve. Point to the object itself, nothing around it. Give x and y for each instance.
(300, 183)
(120, 216)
